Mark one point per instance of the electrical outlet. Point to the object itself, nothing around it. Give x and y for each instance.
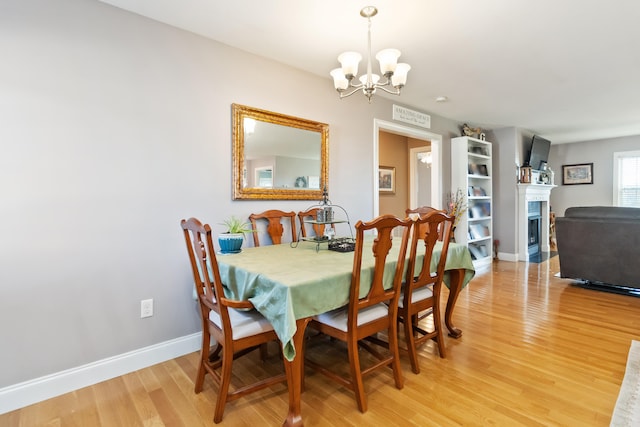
(146, 308)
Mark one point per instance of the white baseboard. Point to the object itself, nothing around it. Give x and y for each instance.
(506, 256)
(29, 392)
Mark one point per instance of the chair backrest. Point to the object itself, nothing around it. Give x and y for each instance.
(422, 211)
(427, 230)
(206, 275)
(384, 226)
(318, 229)
(274, 225)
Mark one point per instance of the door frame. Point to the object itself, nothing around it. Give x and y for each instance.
(413, 186)
(436, 153)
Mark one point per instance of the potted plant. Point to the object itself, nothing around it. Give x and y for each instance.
(456, 206)
(231, 241)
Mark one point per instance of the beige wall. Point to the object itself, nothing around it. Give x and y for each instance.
(394, 152)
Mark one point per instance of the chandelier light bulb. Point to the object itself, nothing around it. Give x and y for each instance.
(340, 81)
(388, 59)
(349, 62)
(399, 77)
(374, 79)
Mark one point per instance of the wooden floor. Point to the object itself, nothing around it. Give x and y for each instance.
(535, 351)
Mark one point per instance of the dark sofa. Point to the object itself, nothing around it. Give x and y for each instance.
(600, 246)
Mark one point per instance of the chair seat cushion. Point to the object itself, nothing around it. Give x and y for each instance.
(243, 323)
(338, 318)
(418, 295)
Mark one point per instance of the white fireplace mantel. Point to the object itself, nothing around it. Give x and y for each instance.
(533, 193)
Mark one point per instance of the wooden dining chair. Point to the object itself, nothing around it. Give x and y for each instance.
(275, 229)
(422, 288)
(421, 211)
(318, 229)
(373, 311)
(236, 327)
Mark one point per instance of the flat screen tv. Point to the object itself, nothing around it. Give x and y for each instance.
(539, 153)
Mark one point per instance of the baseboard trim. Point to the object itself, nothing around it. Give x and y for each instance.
(506, 256)
(29, 392)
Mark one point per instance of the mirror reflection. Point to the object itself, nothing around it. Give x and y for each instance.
(278, 156)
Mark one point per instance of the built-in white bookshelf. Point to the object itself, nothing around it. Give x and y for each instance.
(471, 171)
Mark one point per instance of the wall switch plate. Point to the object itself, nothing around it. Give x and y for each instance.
(146, 308)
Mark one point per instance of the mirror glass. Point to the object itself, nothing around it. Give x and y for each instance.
(277, 156)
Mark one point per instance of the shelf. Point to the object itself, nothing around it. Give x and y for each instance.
(471, 169)
(312, 221)
(482, 218)
(315, 239)
(318, 240)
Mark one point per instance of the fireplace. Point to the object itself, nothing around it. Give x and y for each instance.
(533, 220)
(533, 229)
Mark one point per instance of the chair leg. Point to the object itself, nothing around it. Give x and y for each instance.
(411, 345)
(356, 375)
(204, 358)
(395, 351)
(437, 322)
(225, 380)
(264, 352)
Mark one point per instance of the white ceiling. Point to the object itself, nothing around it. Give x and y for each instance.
(568, 70)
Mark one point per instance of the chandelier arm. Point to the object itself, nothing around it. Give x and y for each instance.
(393, 92)
(344, 95)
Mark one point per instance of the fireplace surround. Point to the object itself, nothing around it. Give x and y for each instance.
(533, 208)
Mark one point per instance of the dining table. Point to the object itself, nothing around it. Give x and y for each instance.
(290, 283)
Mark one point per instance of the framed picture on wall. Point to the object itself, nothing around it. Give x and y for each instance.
(577, 174)
(387, 179)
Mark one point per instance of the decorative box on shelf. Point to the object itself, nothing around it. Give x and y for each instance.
(342, 244)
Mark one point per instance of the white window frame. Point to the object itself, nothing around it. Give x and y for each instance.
(617, 156)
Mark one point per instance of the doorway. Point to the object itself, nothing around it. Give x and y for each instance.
(436, 162)
(420, 161)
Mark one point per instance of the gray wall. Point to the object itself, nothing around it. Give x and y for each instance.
(115, 127)
(600, 153)
(507, 156)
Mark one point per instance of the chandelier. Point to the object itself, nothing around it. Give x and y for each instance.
(395, 75)
(426, 158)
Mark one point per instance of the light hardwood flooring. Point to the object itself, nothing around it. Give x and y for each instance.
(535, 351)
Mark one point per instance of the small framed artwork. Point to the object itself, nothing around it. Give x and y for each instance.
(387, 179)
(577, 174)
(301, 182)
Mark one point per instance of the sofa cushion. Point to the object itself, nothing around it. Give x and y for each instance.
(602, 212)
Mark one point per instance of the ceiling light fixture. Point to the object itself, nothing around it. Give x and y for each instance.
(426, 158)
(395, 75)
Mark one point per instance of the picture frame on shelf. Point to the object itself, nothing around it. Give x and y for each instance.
(476, 212)
(477, 191)
(475, 252)
(577, 174)
(478, 150)
(387, 179)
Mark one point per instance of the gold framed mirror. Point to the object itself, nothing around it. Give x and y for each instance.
(278, 157)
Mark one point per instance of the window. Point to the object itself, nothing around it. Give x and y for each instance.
(264, 177)
(626, 178)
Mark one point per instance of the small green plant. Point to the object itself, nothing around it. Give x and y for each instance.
(237, 226)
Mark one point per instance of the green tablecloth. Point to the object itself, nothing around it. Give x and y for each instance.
(286, 283)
